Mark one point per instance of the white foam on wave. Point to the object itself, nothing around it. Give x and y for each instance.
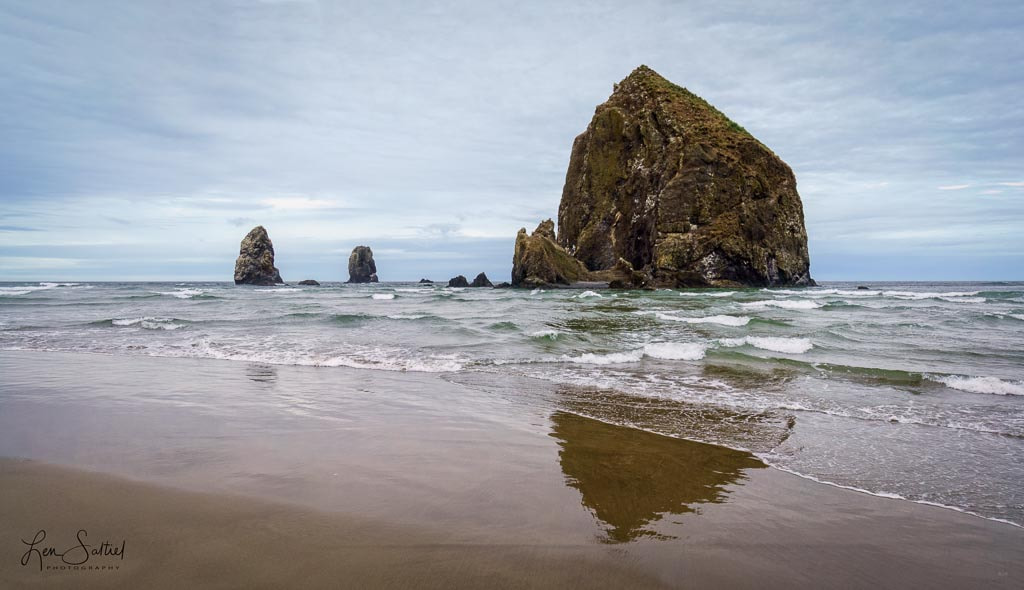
(783, 304)
(723, 320)
(280, 290)
(383, 296)
(586, 294)
(673, 351)
(1017, 316)
(917, 295)
(990, 385)
(149, 323)
(26, 289)
(381, 358)
(963, 299)
(183, 293)
(772, 343)
(711, 294)
(549, 334)
(951, 296)
(536, 291)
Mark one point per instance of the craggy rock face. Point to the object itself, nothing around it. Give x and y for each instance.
(481, 280)
(255, 263)
(361, 267)
(539, 261)
(459, 281)
(664, 181)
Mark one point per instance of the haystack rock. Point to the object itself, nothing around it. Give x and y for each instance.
(255, 263)
(361, 267)
(481, 280)
(664, 190)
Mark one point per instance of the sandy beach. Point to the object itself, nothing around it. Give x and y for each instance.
(213, 475)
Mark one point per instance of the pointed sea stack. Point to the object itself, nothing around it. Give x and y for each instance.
(538, 260)
(255, 263)
(361, 267)
(481, 280)
(665, 190)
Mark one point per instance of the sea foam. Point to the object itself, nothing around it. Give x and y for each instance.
(672, 351)
(783, 304)
(989, 385)
(723, 320)
(772, 343)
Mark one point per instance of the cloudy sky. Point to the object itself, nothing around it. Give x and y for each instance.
(142, 139)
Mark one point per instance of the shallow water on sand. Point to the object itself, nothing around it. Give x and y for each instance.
(912, 390)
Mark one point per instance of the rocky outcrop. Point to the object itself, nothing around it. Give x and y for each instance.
(539, 261)
(459, 281)
(664, 190)
(255, 263)
(426, 282)
(309, 283)
(481, 280)
(361, 267)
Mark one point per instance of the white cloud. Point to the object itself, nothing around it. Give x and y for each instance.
(299, 203)
(954, 187)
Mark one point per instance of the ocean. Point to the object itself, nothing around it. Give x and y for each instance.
(904, 390)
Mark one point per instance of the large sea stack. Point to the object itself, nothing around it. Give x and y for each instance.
(255, 263)
(665, 190)
(361, 267)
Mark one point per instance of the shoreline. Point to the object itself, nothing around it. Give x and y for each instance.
(883, 495)
(513, 486)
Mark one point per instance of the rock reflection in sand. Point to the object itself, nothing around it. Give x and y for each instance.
(630, 478)
(261, 373)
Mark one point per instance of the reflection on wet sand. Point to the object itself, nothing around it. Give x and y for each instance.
(630, 478)
(261, 373)
(758, 431)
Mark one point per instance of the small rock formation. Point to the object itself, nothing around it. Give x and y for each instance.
(503, 285)
(862, 288)
(539, 261)
(361, 267)
(309, 282)
(663, 190)
(426, 282)
(255, 263)
(459, 281)
(481, 280)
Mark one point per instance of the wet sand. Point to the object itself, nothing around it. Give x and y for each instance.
(222, 474)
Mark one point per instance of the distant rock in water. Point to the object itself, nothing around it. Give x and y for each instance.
(503, 285)
(664, 190)
(310, 283)
(361, 267)
(426, 282)
(459, 281)
(255, 263)
(539, 261)
(481, 280)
